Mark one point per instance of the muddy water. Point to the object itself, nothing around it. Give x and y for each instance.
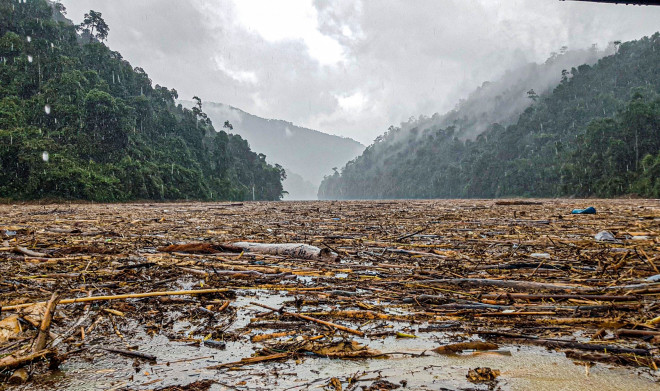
(522, 368)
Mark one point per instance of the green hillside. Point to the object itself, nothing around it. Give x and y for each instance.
(77, 121)
(597, 133)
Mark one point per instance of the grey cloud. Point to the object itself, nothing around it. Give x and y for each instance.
(407, 58)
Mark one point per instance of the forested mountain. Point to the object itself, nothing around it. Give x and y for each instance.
(502, 101)
(597, 133)
(77, 121)
(306, 152)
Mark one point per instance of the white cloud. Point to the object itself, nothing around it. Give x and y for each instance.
(355, 102)
(238, 75)
(289, 20)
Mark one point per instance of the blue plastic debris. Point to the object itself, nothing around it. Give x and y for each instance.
(589, 211)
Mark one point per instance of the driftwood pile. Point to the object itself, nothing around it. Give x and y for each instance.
(495, 272)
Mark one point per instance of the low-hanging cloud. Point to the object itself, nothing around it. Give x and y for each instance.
(350, 67)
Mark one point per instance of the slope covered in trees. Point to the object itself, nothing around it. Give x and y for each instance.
(306, 152)
(597, 133)
(77, 121)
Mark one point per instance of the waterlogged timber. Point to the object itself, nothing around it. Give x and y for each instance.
(438, 294)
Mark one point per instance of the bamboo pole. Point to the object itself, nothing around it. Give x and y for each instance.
(319, 321)
(252, 360)
(119, 297)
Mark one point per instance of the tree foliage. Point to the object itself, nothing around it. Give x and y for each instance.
(94, 25)
(109, 134)
(596, 134)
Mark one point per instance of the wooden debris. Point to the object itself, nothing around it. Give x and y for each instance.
(17, 360)
(319, 321)
(29, 253)
(132, 353)
(461, 346)
(292, 250)
(482, 375)
(520, 272)
(199, 248)
(252, 360)
(19, 376)
(42, 338)
(121, 297)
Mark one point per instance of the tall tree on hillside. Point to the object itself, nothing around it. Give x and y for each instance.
(94, 22)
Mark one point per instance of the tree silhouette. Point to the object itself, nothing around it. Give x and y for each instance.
(94, 22)
(531, 94)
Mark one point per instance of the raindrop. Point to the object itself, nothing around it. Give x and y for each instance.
(29, 38)
(29, 58)
(44, 156)
(47, 109)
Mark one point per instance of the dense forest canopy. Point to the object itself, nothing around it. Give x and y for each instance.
(597, 133)
(77, 121)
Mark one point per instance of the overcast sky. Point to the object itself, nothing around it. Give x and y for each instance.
(349, 67)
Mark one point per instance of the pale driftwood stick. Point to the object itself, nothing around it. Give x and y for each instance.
(559, 343)
(74, 327)
(514, 284)
(118, 297)
(319, 321)
(30, 253)
(293, 250)
(252, 360)
(526, 296)
(42, 337)
(635, 286)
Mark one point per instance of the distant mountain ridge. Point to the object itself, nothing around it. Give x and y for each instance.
(502, 101)
(309, 153)
(594, 132)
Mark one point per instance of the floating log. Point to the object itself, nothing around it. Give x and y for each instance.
(126, 296)
(526, 296)
(319, 321)
(42, 337)
(252, 360)
(291, 250)
(199, 248)
(559, 343)
(514, 284)
(29, 253)
(18, 360)
(131, 353)
(459, 347)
